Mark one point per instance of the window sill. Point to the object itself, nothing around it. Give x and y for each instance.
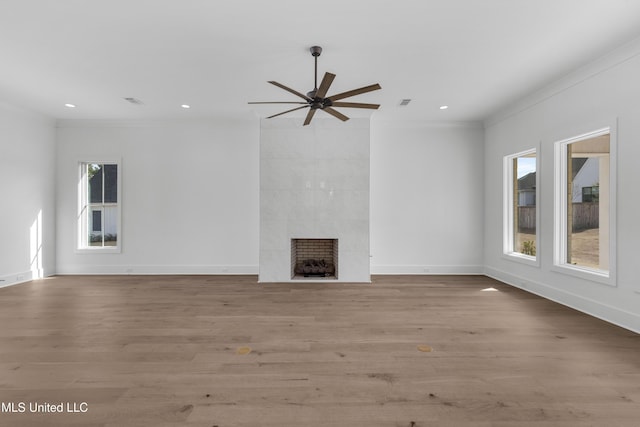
(593, 275)
(522, 258)
(101, 250)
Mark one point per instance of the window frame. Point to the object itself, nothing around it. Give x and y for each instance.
(508, 251)
(560, 235)
(83, 203)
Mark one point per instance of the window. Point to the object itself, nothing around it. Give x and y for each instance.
(99, 207)
(585, 202)
(97, 221)
(520, 206)
(590, 194)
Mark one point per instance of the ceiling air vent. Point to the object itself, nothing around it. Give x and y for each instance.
(405, 102)
(134, 101)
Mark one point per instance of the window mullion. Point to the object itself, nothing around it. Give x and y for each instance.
(514, 204)
(569, 206)
(104, 178)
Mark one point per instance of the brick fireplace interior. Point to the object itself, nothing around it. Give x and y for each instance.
(314, 258)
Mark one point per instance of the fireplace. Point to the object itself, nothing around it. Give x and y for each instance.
(314, 259)
(314, 188)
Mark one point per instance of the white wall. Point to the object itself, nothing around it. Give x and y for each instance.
(426, 198)
(27, 212)
(603, 92)
(189, 195)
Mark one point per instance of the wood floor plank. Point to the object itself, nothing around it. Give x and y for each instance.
(226, 351)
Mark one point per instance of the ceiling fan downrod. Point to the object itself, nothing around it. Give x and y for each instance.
(315, 52)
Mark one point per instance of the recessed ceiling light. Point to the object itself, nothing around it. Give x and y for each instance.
(70, 105)
(186, 106)
(444, 107)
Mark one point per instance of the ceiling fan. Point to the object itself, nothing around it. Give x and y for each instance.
(317, 99)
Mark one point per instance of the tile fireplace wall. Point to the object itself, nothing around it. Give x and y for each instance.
(314, 184)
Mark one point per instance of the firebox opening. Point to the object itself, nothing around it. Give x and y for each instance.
(314, 259)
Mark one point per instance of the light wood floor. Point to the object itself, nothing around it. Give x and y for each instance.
(165, 351)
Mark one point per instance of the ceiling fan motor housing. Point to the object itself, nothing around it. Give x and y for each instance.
(315, 50)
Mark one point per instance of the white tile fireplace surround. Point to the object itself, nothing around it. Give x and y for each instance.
(314, 184)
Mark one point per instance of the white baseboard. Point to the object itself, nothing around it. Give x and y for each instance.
(616, 316)
(158, 269)
(427, 269)
(14, 279)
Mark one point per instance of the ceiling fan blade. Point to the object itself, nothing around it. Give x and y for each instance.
(355, 105)
(288, 111)
(310, 114)
(324, 85)
(335, 113)
(355, 92)
(277, 102)
(288, 89)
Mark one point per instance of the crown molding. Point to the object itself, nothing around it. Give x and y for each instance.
(149, 123)
(426, 124)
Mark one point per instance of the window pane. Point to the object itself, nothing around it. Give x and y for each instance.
(95, 227)
(524, 204)
(94, 173)
(110, 225)
(587, 202)
(111, 183)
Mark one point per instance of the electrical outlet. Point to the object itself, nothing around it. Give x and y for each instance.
(20, 277)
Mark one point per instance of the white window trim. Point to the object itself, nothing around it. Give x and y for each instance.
(507, 198)
(560, 210)
(82, 189)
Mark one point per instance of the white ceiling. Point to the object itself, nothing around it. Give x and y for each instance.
(476, 56)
